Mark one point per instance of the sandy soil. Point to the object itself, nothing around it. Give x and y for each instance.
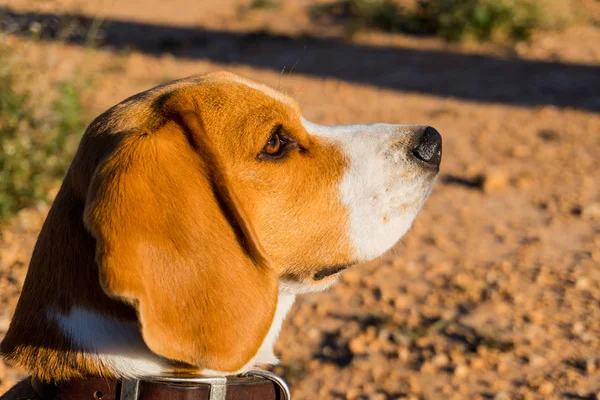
(495, 292)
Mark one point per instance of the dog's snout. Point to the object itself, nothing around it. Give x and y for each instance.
(429, 147)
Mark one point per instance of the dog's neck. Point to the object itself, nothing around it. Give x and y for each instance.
(119, 345)
(65, 326)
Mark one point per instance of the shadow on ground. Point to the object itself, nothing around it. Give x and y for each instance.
(435, 72)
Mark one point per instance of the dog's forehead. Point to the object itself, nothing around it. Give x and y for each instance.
(226, 77)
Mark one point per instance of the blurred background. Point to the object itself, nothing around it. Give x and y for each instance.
(494, 293)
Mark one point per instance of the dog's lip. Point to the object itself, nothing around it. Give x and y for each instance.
(328, 271)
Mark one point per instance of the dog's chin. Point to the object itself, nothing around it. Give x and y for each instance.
(293, 287)
(320, 280)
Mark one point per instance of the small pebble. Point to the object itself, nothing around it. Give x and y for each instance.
(494, 181)
(547, 388)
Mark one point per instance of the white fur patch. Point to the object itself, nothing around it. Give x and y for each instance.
(384, 188)
(115, 344)
(264, 89)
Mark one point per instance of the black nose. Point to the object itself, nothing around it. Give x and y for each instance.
(429, 147)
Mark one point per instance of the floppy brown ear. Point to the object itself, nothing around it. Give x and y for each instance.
(172, 240)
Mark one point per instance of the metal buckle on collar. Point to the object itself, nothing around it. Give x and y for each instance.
(274, 378)
(218, 384)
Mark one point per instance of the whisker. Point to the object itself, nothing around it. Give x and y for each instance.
(294, 66)
(280, 75)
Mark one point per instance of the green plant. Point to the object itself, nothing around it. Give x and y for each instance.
(449, 19)
(263, 4)
(34, 152)
(356, 15)
(480, 19)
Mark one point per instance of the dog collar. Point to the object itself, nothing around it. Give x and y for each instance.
(253, 385)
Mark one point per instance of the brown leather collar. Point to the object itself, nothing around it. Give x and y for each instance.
(248, 387)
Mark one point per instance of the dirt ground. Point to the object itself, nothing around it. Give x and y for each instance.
(495, 291)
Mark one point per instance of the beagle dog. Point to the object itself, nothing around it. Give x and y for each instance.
(190, 218)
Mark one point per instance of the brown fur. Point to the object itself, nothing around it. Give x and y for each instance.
(185, 230)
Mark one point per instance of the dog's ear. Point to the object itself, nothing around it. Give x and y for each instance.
(172, 240)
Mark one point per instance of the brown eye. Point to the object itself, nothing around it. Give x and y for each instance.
(278, 147)
(273, 145)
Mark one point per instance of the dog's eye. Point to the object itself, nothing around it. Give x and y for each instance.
(278, 146)
(274, 144)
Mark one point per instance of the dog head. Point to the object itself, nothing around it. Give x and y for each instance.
(208, 196)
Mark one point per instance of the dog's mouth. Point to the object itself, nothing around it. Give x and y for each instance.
(329, 271)
(315, 282)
